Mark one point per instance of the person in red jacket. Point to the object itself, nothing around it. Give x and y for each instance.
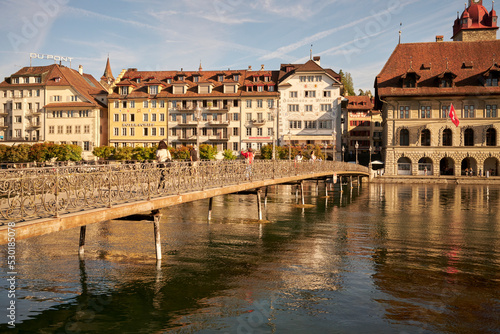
(249, 156)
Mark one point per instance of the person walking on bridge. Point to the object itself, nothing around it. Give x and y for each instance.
(162, 156)
(249, 156)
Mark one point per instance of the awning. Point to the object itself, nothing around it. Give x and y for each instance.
(315, 138)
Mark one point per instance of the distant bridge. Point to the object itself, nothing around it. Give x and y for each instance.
(38, 201)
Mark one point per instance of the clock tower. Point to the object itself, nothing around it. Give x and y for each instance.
(476, 23)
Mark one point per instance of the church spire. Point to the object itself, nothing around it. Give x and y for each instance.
(107, 71)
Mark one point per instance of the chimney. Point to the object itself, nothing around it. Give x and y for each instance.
(80, 69)
(317, 60)
(250, 67)
(439, 38)
(262, 67)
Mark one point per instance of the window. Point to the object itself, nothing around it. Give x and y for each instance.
(78, 129)
(124, 117)
(425, 112)
(404, 137)
(51, 129)
(18, 133)
(249, 117)
(145, 117)
(117, 104)
(145, 132)
(38, 79)
(259, 103)
(270, 132)
(18, 106)
(132, 117)
(404, 112)
(162, 117)
(309, 107)
(447, 137)
(153, 90)
(132, 132)
(260, 88)
(302, 78)
(270, 116)
(153, 104)
(425, 138)
(325, 107)
(249, 103)
(162, 132)
(220, 78)
(132, 104)
(124, 131)
(469, 137)
(259, 132)
(74, 98)
(491, 111)
(69, 129)
(293, 107)
(235, 147)
(37, 92)
(86, 146)
(295, 124)
(325, 124)
(236, 117)
(270, 104)
(445, 111)
(327, 93)
(236, 77)
(293, 95)
(123, 90)
(318, 78)
(491, 137)
(59, 129)
(271, 88)
(249, 132)
(116, 117)
(153, 117)
(492, 81)
(310, 93)
(162, 104)
(153, 131)
(18, 119)
(145, 104)
(310, 124)
(410, 82)
(468, 111)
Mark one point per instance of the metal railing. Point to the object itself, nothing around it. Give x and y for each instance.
(32, 193)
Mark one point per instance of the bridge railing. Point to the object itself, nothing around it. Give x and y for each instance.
(49, 192)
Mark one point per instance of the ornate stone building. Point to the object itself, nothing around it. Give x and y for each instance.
(418, 85)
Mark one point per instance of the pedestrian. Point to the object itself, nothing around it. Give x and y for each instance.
(313, 156)
(298, 157)
(163, 157)
(249, 156)
(193, 155)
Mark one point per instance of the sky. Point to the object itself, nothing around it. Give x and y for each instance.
(355, 36)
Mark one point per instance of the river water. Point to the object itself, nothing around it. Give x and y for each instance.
(377, 259)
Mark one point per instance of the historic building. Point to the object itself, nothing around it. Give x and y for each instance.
(310, 104)
(52, 104)
(362, 126)
(421, 82)
(230, 109)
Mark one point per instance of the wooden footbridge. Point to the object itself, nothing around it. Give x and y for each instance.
(38, 201)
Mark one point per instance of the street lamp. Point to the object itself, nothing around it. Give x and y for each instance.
(334, 142)
(274, 133)
(197, 115)
(356, 147)
(370, 164)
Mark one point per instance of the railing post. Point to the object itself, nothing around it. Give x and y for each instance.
(56, 200)
(149, 181)
(109, 186)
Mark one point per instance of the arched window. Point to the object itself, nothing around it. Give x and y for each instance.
(404, 137)
(425, 138)
(469, 137)
(491, 137)
(447, 137)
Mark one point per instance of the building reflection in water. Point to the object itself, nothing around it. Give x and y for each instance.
(438, 259)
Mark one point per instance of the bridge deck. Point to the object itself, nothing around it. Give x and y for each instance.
(42, 201)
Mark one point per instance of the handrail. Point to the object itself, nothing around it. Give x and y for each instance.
(33, 193)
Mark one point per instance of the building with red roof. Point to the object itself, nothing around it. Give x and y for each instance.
(422, 81)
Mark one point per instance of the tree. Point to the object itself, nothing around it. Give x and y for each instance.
(229, 155)
(207, 152)
(103, 152)
(181, 153)
(19, 153)
(123, 153)
(365, 93)
(346, 79)
(3, 150)
(39, 152)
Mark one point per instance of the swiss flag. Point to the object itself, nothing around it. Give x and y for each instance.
(453, 116)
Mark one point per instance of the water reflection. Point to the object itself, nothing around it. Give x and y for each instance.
(375, 258)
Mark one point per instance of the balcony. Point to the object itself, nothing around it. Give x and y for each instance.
(259, 122)
(3, 127)
(218, 123)
(34, 112)
(219, 137)
(4, 113)
(34, 125)
(187, 123)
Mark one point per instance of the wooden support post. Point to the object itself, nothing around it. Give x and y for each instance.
(156, 223)
(265, 198)
(81, 249)
(302, 192)
(340, 184)
(317, 186)
(210, 204)
(350, 181)
(326, 188)
(259, 204)
(296, 192)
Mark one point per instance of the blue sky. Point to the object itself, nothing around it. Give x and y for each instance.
(355, 36)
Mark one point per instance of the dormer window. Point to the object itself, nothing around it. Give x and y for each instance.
(15, 80)
(169, 80)
(196, 78)
(445, 83)
(57, 79)
(180, 78)
(492, 80)
(220, 78)
(410, 82)
(255, 78)
(124, 90)
(236, 77)
(138, 80)
(153, 90)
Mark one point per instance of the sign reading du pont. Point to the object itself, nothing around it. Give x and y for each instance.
(50, 57)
